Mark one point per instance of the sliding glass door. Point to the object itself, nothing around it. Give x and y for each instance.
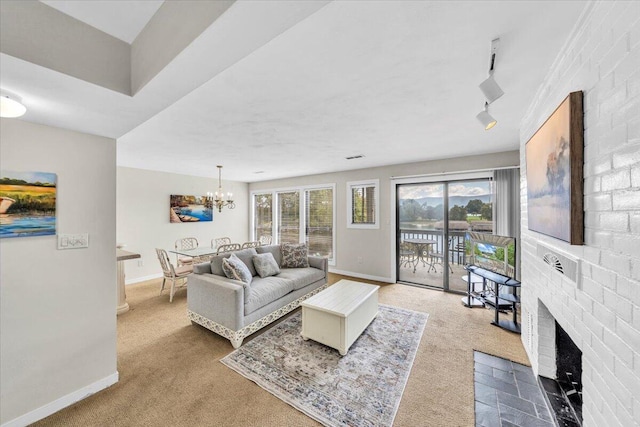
(420, 216)
(432, 222)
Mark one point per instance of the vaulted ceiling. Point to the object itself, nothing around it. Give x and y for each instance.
(283, 88)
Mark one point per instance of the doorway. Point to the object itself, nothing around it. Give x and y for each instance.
(432, 220)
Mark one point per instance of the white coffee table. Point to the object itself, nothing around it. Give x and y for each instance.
(338, 315)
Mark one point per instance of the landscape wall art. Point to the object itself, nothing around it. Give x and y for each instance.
(190, 209)
(27, 204)
(554, 159)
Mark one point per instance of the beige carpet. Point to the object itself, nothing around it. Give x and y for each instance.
(170, 374)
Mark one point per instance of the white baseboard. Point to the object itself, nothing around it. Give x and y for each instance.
(142, 279)
(63, 402)
(361, 276)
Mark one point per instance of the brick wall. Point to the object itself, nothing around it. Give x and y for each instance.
(601, 312)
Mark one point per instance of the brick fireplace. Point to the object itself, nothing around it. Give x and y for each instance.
(598, 308)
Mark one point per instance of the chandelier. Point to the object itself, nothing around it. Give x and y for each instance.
(218, 199)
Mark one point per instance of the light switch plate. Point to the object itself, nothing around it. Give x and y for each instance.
(73, 241)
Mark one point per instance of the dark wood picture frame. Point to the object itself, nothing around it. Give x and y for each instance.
(554, 161)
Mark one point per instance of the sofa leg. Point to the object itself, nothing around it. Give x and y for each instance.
(237, 343)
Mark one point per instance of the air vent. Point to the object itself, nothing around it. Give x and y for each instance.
(553, 261)
(564, 264)
(357, 156)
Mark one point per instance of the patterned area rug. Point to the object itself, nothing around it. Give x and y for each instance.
(360, 389)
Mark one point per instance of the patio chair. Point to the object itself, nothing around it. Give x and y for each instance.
(171, 273)
(438, 258)
(265, 240)
(228, 248)
(407, 254)
(457, 251)
(185, 244)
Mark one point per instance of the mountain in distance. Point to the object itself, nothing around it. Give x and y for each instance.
(453, 200)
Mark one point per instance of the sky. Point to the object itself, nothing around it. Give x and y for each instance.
(419, 191)
(30, 176)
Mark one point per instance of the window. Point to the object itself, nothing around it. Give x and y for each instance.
(319, 221)
(363, 210)
(263, 219)
(303, 214)
(289, 217)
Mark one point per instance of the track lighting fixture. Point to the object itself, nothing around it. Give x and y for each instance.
(485, 118)
(490, 89)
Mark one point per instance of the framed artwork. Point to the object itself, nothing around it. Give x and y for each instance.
(190, 209)
(27, 204)
(554, 159)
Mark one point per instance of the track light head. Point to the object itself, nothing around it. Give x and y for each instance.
(485, 118)
(490, 89)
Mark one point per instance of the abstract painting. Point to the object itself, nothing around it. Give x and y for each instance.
(190, 209)
(27, 204)
(554, 159)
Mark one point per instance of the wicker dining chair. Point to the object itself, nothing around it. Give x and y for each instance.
(229, 247)
(250, 245)
(219, 241)
(172, 273)
(185, 244)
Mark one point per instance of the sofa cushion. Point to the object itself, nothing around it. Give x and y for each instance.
(245, 256)
(301, 277)
(266, 264)
(266, 290)
(234, 268)
(294, 255)
(216, 264)
(273, 250)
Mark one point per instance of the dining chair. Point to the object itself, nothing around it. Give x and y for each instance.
(218, 241)
(172, 273)
(265, 240)
(229, 247)
(250, 245)
(185, 244)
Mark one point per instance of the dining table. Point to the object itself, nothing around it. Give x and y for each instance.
(422, 252)
(201, 254)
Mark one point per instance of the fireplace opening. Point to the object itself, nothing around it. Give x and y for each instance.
(564, 393)
(569, 369)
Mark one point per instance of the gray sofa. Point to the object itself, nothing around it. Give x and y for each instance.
(234, 309)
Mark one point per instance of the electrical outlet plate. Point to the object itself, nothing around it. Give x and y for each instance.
(73, 241)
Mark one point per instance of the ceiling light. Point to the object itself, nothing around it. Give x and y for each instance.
(485, 118)
(11, 105)
(218, 199)
(491, 89)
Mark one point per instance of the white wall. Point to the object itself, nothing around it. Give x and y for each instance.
(374, 246)
(57, 316)
(143, 216)
(601, 58)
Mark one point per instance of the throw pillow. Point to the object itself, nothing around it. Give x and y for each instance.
(295, 256)
(266, 265)
(234, 268)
